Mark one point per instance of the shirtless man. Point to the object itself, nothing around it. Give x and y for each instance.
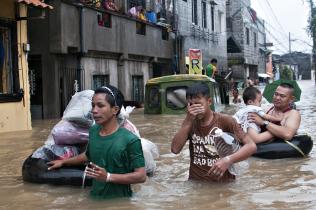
(290, 123)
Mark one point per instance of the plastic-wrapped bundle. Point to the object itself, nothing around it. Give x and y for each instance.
(79, 108)
(50, 151)
(68, 133)
(150, 150)
(151, 153)
(226, 145)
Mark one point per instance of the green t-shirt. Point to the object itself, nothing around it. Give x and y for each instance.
(119, 153)
(209, 70)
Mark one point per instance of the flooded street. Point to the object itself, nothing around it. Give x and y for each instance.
(268, 184)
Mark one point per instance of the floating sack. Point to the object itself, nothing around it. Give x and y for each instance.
(79, 108)
(68, 133)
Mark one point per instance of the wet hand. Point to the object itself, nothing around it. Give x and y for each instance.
(55, 164)
(194, 110)
(255, 118)
(219, 168)
(96, 172)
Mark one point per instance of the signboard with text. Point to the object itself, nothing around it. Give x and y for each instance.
(195, 61)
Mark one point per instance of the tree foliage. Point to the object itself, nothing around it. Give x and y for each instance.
(286, 73)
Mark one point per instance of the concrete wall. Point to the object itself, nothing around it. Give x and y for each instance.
(16, 116)
(241, 19)
(117, 51)
(120, 38)
(212, 43)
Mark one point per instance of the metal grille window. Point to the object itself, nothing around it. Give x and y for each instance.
(104, 19)
(254, 39)
(204, 22)
(100, 80)
(247, 36)
(194, 12)
(9, 74)
(138, 88)
(134, 3)
(212, 18)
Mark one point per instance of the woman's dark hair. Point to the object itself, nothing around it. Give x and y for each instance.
(198, 89)
(250, 93)
(112, 95)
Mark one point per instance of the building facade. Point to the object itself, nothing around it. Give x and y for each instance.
(201, 24)
(14, 82)
(83, 47)
(243, 39)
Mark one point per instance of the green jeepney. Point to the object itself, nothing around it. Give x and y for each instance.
(167, 94)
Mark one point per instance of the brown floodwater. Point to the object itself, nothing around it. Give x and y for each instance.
(267, 184)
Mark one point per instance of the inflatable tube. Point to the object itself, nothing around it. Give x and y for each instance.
(278, 149)
(34, 170)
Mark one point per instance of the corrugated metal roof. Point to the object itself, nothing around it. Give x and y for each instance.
(36, 3)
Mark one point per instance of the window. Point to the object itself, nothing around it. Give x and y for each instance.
(9, 74)
(154, 97)
(212, 18)
(204, 22)
(164, 34)
(247, 36)
(220, 15)
(104, 19)
(194, 12)
(138, 88)
(254, 39)
(133, 3)
(176, 97)
(100, 80)
(140, 28)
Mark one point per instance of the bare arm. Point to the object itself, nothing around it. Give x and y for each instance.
(77, 160)
(182, 135)
(286, 131)
(248, 148)
(243, 153)
(272, 118)
(259, 137)
(290, 127)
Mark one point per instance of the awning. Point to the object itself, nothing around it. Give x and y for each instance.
(36, 3)
(263, 75)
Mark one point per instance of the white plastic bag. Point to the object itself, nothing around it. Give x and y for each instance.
(226, 145)
(79, 108)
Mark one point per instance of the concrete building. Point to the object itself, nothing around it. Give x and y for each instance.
(84, 46)
(14, 81)
(201, 24)
(244, 30)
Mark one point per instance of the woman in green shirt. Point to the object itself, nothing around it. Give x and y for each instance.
(115, 154)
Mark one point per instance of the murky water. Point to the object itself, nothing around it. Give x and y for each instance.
(268, 184)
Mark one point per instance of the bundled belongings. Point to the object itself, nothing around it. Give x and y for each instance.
(69, 138)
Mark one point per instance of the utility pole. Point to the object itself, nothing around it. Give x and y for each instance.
(312, 28)
(290, 42)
